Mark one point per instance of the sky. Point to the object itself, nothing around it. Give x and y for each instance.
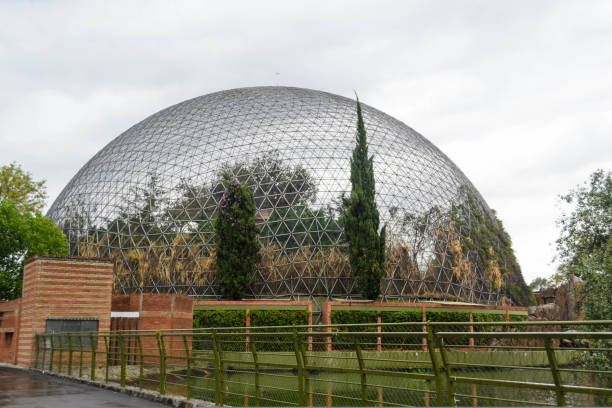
(517, 93)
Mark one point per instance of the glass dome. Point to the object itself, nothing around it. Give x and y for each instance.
(148, 199)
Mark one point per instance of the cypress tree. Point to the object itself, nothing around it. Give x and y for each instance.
(361, 219)
(236, 240)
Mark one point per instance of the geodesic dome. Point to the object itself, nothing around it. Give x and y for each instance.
(148, 199)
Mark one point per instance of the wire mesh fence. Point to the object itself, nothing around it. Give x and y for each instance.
(393, 364)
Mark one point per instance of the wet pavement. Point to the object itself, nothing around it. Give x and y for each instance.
(20, 388)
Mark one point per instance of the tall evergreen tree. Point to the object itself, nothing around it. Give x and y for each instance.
(236, 240)
(361, 219)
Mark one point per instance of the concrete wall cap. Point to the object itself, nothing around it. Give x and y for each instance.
(67, 258)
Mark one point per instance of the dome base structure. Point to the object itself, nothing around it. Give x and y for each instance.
(149, 198)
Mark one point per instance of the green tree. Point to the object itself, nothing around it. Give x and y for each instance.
(301, 226)
(24, 235)
(539, 283)
(584, 247)
(274, 183)
(236, 239)
(18, 186)
(361, 219)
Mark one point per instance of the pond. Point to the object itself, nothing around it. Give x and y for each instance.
(280, 388)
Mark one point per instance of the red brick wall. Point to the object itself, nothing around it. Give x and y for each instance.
(62, 286)
(159, 312)
(9, 329)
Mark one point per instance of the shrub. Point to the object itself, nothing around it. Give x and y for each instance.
(277, 318)
(401, 317)
(354, 317)
(449, 317)
(203, 319)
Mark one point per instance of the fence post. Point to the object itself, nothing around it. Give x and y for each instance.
(123, 359)
(450, 389)
(364, 384)
(69, 354)
(36, 347)
(188, 358)
(107, 348)
(431, 347)
(162, 362)
(44, 348)
(256, 366)
(141, 373)
(80, 355)
(300, 369)
(51, 352)
(307, 386)
(219, 367)
(61, 352)
(92, 375)
(552, 359)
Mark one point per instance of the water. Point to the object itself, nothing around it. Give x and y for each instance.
(280, 388)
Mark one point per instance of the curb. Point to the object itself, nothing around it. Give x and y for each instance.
(150, 395)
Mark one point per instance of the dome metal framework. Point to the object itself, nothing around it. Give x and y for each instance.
(148, 199)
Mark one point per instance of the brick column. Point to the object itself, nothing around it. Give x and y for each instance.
(62, 287)
(326, 319)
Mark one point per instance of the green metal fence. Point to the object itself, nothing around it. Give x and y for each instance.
(399, 364)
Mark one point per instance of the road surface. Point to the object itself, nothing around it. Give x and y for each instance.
(20, 388)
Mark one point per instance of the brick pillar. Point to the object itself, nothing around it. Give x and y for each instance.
(62, 287)
(326, 319)
(310, 331)
(378, 329)
(424, 313)
(471, 329)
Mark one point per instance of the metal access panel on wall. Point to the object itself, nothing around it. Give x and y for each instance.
(71, 324)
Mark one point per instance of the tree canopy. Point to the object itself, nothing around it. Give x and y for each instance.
(367, 248)
(584, 247)
(19, 186)
(23, 235)
(538, 283)
(236, 239)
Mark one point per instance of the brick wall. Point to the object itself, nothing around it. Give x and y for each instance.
(158, 312)
(9, 329)
(62, 287)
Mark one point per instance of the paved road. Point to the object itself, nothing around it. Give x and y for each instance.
(19, 388)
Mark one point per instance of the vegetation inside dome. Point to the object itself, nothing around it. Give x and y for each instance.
(162, 240)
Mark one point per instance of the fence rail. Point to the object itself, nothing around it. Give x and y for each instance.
(398, 364)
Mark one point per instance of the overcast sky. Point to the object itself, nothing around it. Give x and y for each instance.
(517, 93)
